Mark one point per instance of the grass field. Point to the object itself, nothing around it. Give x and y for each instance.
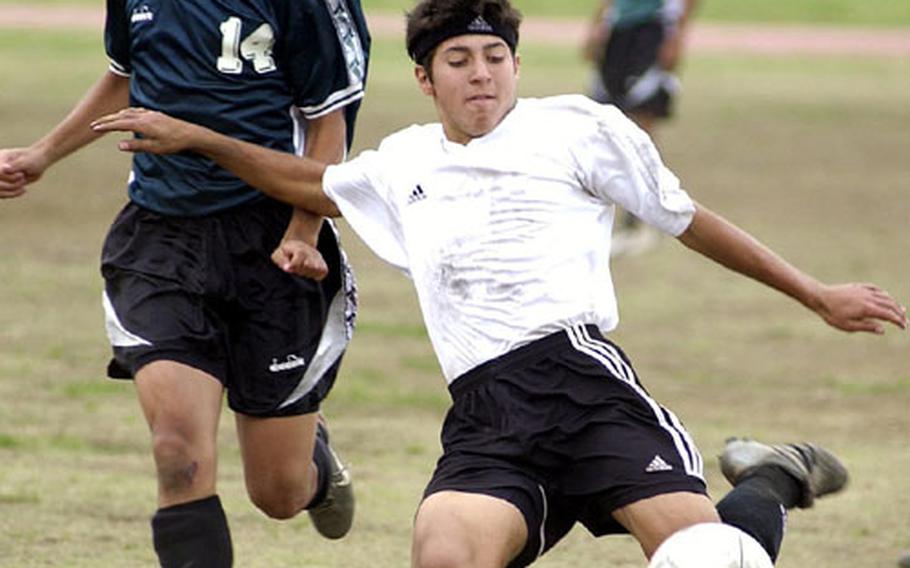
(811, 155)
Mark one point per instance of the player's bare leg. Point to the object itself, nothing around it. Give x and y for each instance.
(455, 529)
(653, 520)
(182, 406)
(289, 466)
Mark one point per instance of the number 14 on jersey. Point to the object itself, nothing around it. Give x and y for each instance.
(257, 47)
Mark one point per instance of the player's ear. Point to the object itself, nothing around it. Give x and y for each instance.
(424, 81)
(517, 59)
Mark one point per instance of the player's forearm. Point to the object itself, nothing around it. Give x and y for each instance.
(108, 94)
(689, 7)
(304, 226)
(730, 246)
(286, 177)
(326, 139)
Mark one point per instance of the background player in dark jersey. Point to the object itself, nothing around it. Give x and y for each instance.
(635, 47)
(201, 295)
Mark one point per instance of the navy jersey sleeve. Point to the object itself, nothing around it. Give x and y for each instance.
(117, 37)
(326, 55)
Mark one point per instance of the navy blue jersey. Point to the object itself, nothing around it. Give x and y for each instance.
(255, 70)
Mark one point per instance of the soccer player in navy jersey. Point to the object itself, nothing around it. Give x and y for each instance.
(211, 287)
(506, 235)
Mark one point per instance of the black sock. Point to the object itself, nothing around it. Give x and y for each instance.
(323, 471)
(776, 481)
(193, 535)
(756, 507)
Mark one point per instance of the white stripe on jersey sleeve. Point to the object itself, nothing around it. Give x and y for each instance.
(118, 69)
(335, 101)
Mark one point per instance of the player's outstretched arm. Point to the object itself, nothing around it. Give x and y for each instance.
(20, 167)
(849, 307)
(284, 176)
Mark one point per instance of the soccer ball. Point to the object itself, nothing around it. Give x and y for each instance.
(710, 545)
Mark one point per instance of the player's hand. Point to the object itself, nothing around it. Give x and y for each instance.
(860, 307)
(18, 168)
(297, 257)
(157, 132)
(670, 52)
(594, 42)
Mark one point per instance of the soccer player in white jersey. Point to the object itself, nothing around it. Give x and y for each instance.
(505, 232)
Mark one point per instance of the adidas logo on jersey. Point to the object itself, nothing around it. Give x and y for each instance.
(416, 195)
(479, 25)
(658, 464)
(142, 14)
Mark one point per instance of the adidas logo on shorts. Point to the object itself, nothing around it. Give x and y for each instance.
(658, 464)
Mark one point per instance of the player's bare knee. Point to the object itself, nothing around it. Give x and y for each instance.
(436, 550)
(438, 544)
(278, 508)
(278, 500)
(177, 467)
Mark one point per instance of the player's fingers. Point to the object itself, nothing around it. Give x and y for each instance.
(892, 312)
(123, 119)
(105, 120)
(316, 268)
(879, 304)
(281, 258)
(882, 296)
(862, 325)
(312, 272)
(141, 145)
(14, 168)
(116, 124)
(12, 182)
(10, 177)
(304, 263)
(10, 192)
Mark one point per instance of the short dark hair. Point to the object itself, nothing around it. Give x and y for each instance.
(430, 19)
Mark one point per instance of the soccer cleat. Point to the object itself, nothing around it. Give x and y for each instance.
(335, 514)
(817, 470)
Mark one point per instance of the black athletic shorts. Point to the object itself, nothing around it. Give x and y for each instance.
(204, 292)
(631, 76)
(562, 429)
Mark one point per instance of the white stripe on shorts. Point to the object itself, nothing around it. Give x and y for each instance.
(337, 332)
(607, 355)
(117, 333)
(543, 522)
(690, 448)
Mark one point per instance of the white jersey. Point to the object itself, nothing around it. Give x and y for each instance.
(507, 238)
